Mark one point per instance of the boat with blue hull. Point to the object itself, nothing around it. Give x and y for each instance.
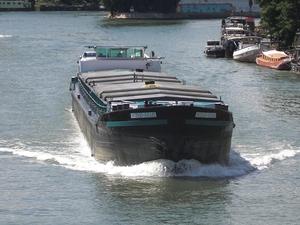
(133, 116)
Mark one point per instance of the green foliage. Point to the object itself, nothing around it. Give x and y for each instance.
(67, 2)
(281, 18)
(74, 2)
(162, 6)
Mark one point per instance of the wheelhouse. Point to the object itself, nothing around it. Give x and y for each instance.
(127, 52)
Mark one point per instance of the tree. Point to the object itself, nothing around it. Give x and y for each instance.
(66, 2)
(281, 19)
(74, 2)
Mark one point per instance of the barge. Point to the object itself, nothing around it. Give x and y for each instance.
(132, 116)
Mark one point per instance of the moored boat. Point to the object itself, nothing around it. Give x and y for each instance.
(295, 64)
(214, 49)
(274, 59)
(246, 23)
(248, 49)
(230, 45)
(130, 116)
(123, 57)
(230, 32)
(233, 30)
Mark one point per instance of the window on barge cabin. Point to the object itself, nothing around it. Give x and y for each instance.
(118, 53)
(101, 52)
(126, 53)
(135, 53)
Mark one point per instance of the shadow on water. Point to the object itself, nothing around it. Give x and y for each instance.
(161, 197)
(159, 187)
(149, 23)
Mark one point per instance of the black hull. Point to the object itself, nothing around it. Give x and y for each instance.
(295, 67)
(215, 53)
(174, 140)
(230, 46)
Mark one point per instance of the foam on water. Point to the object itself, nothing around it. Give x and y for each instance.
(262, 162)
(79, 158)
(5, 36)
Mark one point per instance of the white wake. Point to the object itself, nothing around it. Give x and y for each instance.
(5, 36)
(78, 158)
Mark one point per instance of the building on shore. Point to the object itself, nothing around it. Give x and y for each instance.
(218, 8)
(16, 5)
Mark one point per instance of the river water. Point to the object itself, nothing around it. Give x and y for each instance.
(48, 177)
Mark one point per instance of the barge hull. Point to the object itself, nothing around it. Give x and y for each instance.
(162, 139)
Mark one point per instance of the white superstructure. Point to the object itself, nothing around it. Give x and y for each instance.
(118, 57)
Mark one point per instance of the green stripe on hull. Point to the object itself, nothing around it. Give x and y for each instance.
(213, 123)
(132, 123)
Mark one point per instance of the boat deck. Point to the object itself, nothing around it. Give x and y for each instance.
(126, 85)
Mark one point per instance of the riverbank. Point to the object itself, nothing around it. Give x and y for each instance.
(70, 8)
(178, 16)
(50, 5)
(45, 6)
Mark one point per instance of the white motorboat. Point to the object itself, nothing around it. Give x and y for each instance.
(118, 57)
(248, 49)
(233, 30)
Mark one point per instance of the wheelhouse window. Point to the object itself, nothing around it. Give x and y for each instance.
(105, 52)
(101, 52)
(135, 53)
(118, 52)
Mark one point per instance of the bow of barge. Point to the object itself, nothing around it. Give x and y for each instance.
(131, 117)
